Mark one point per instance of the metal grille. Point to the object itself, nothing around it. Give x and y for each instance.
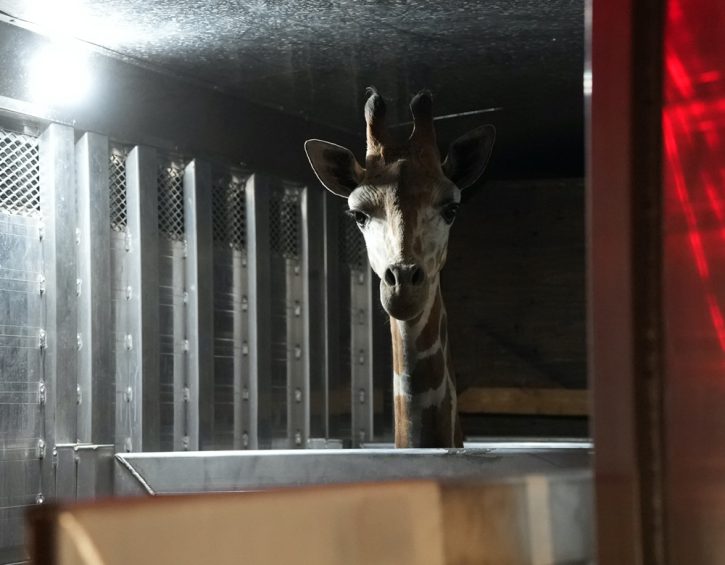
(353, 251)
(285, 223)
(228, 211)
(117, 186)
(171, 200)
(19, 174)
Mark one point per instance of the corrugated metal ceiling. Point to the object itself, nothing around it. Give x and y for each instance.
(314, 58)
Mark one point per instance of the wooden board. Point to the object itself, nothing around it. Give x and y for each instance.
(524, 401)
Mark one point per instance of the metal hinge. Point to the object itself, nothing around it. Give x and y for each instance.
(42, 395)
(42, 339)
(127, 241)
(128, 342)
(79, 341)
(79, 286)
(40, 449)
(41, 284)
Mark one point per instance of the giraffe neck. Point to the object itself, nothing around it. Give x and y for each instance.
(426, 413)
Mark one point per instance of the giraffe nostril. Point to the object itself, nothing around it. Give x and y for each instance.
(390, 278)
(417, 276)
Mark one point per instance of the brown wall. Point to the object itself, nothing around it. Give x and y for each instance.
(514, 286)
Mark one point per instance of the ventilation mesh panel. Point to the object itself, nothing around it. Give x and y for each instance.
(19, 174)
(171, 200)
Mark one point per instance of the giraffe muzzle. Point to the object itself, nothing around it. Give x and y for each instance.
(404, 275)
(403, 291)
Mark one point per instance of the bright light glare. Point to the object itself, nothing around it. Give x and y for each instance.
(587, 83)
(59, 75)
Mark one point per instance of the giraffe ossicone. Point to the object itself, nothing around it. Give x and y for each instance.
(404, 200)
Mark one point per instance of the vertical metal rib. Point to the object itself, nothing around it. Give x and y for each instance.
(96, 375)
(142, 202)
(57, 193)
(200, 314)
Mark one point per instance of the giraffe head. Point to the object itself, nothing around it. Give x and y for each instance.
(404, 199)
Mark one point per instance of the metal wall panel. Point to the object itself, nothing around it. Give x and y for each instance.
(22, 428)
(231, 307)
(95, 379)
(123, 358)
(361, 351)
(141, 421)
(314, 292)
(172, 306)
(60, 320)
(200, 305)
(286, 387)
(258, 193)
(332, 308)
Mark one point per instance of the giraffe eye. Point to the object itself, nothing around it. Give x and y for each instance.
(449, 213)
(361, 218)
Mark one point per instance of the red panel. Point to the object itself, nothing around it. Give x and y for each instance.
(693, 123)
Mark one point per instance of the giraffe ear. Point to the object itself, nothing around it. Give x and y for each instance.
(468, 156)
(335, 166)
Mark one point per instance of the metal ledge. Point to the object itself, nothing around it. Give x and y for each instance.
(229, 471)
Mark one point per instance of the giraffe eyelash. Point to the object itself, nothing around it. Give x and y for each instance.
(361, 218)
(449, 212)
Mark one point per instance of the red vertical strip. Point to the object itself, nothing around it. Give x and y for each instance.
(693, 124)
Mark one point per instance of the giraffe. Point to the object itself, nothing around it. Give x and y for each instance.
(404, 201)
